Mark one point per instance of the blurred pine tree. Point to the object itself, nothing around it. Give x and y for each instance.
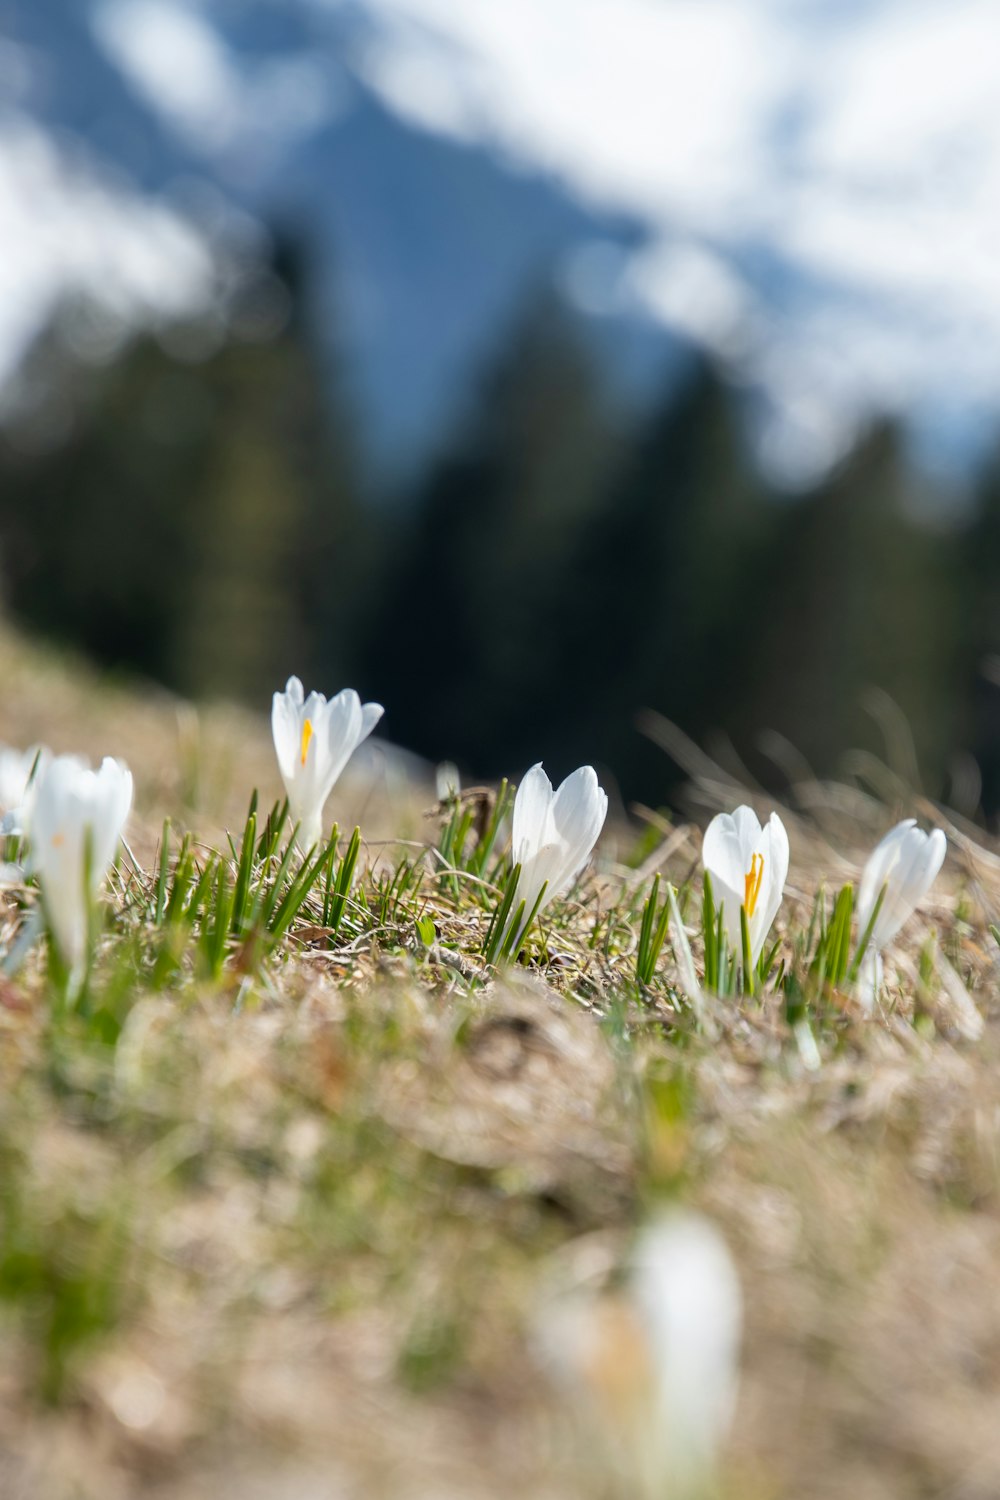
(858, 594)
(980, 683)
(483, 620)
(197, 520)
(551, 574)
(671, 566)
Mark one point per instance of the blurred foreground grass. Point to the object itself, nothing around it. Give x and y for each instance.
(293, 1237)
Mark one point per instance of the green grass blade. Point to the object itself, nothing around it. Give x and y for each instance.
(747, 952)
(345, 879)
(498, 924)
(244, 874)
(866, 936)
(163, 874)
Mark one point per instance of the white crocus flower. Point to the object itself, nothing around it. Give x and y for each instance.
(314, 739)
(554, 833)
(652, 1366)
(17, 784)
(686, 1292)
(447, 781)
(749, 866)
(76, 820)
(905, 864)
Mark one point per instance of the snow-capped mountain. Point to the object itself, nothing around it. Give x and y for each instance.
(819, 184)
(212, 118)
(812, 190)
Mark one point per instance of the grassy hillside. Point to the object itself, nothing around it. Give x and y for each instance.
(283, 1215)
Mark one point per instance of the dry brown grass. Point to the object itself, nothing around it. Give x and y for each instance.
(313, 1239)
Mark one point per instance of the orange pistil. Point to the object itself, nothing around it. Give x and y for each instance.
(307, 734)
(752, 884)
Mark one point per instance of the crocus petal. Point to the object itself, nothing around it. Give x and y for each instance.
(579, 810)
(343, 735)
(902, 880)
(937, 848)
(906, 863)
(371, 713)
(531, 823)
(881, 859)
(546, 867)
(687, 1293)
(729, 902)
(774, 848)
(748, 831)
(110, 807)
(869, 980)
(287, 733)
(722, 852)
(919, 864)
(72, 806)
(310, 825)
(18, 771)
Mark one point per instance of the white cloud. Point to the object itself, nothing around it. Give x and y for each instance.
(67, 230)
(181, 66)
(619, 97)
(176, 59)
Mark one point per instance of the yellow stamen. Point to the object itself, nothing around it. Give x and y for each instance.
(752, 884)
(307, 734)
